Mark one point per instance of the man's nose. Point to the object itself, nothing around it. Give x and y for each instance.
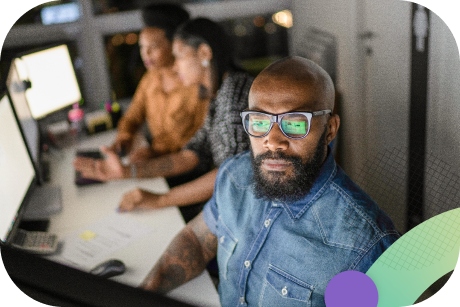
(275, 139)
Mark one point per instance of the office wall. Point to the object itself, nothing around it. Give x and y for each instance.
(376, 98)
(339, 18)
(373, 78)
(443, 130)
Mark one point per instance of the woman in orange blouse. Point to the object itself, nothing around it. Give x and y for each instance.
(203, 54)
(173, 112)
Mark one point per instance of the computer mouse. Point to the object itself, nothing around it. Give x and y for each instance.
(109, 268)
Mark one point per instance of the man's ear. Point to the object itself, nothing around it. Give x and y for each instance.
(333, 125)
(204, 52)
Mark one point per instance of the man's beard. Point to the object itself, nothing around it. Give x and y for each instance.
(279, 186)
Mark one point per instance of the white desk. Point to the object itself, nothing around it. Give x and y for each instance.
(86, 205)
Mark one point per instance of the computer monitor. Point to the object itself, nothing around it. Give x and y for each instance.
(29, 125)
(17, 175)
(50, 80)
(46, 199)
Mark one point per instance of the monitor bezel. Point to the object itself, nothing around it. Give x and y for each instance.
(33, 183)
(36, 160)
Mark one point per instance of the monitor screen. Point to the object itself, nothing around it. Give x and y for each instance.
(17, 176)
(53, 83)
(29, 125)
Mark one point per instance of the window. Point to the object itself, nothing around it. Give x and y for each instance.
(53, 12)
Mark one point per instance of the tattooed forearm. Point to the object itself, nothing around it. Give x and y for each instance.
(185, 258)
(175, 277)
(205, 237)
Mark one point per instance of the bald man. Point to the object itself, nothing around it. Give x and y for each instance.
(284, 218)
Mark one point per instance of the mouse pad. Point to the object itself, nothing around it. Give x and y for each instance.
(79, 179)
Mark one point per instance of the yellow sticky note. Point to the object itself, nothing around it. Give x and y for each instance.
(87, 235)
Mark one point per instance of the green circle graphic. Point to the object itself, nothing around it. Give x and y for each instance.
(417, 259)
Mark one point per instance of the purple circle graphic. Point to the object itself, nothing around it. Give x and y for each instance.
(351, 288)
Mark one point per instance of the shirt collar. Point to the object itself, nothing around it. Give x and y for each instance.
(327, 172)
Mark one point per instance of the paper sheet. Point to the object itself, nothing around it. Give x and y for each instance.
(94, 244)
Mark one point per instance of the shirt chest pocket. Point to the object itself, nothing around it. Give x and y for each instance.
(282, 289)
(227, 243)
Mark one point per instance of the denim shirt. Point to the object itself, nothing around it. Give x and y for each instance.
(284, 254)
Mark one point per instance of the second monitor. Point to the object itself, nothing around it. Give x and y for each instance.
(49, 79)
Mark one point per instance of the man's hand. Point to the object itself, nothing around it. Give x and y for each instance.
(106, 169)
(139, 199)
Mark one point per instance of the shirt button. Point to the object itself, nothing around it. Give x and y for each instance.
(247, 263)
(284, 291)
(242, 300)
(222, 239)
(267, 222)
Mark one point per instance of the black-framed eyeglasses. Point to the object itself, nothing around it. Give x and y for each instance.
(294, 125)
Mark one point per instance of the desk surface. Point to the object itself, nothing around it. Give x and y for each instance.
(83, 206)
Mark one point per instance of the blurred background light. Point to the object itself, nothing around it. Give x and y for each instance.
(283, 18)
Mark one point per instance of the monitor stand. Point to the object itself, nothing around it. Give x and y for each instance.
(46, 200)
